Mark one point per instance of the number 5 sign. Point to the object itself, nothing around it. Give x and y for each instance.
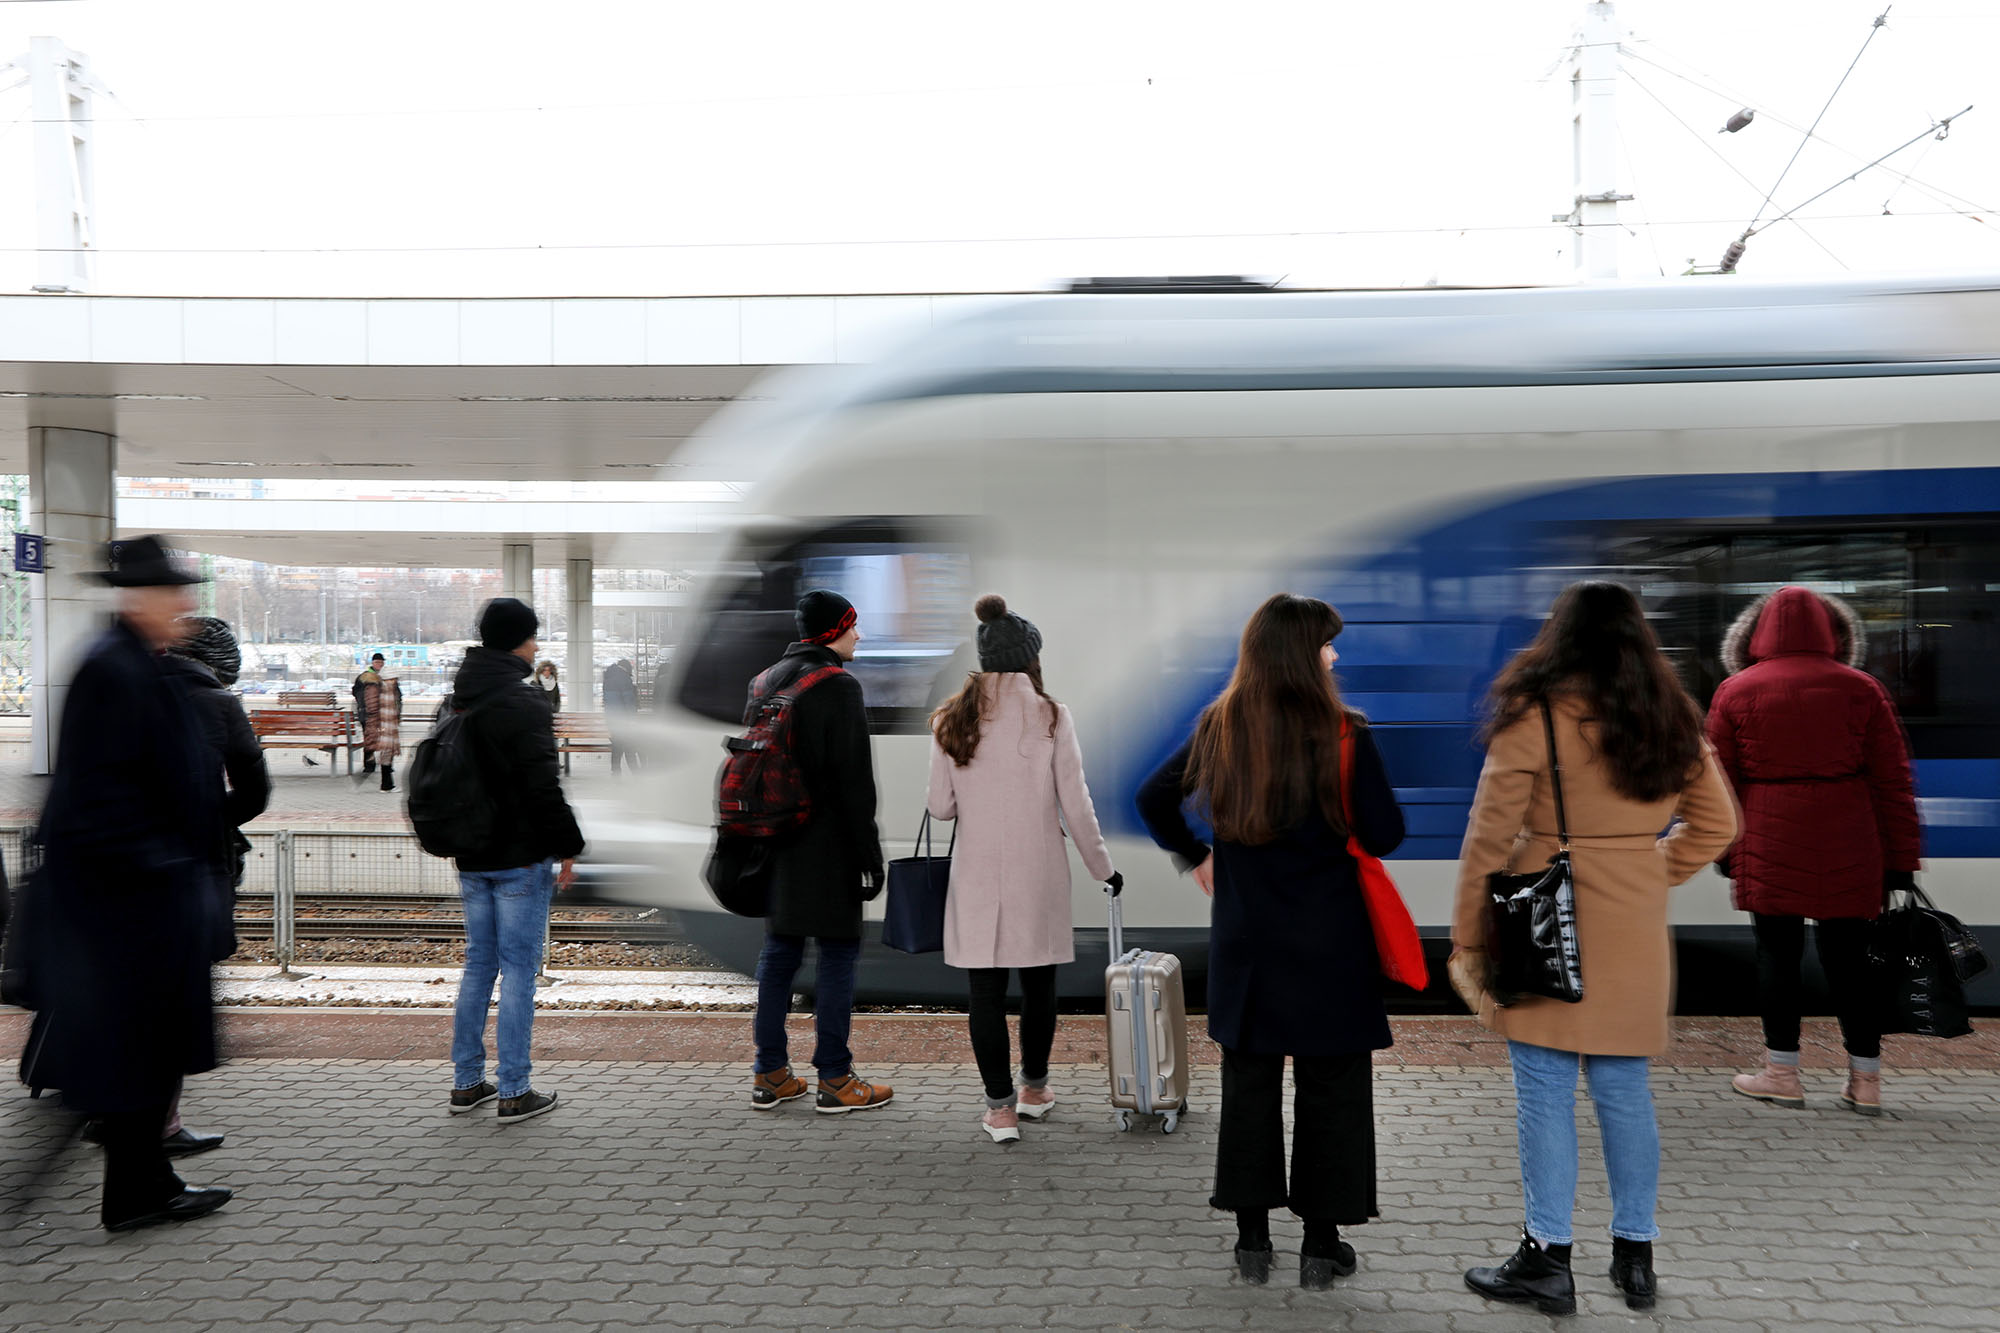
(30, 554)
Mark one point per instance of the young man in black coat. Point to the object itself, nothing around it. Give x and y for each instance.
(123, 907)
(821, 874)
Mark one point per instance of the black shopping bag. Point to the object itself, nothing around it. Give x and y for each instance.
(913, 919)
(1921, 959)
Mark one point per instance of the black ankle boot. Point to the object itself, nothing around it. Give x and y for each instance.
(1535, 1273)
(1254, 1265)
(1632, 1272)
(1324, 1256)
(1253, 1245)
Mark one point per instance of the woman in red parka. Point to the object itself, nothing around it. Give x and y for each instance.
(1816, 754)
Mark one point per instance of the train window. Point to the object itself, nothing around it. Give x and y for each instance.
(1927, 593)
(913, 591)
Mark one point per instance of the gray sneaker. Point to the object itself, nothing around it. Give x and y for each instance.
(526, 1106)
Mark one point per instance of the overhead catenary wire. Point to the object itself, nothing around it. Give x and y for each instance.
(1881, 21)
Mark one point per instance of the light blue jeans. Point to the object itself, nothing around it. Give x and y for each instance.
(506, 916)
(1545, 1110)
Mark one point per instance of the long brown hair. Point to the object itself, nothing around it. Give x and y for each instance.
(1597, 645)
(956, 721)
(1266, 753)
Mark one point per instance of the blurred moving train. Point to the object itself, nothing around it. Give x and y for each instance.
(1136, 472)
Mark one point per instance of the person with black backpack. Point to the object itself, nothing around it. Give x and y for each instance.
(818, 873)
(486, 789)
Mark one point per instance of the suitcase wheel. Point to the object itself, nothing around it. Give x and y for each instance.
(1124, 1121)
(1173, 1122)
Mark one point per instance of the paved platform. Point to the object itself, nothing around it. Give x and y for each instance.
(653, 1198)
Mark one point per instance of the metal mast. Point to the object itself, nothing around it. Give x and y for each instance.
(61, 89)
(1593, 72)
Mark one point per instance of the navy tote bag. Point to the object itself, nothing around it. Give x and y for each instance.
(913, 918)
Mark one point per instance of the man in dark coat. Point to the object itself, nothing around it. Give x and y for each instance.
(621, 703)
(124, 903)
(821, 874)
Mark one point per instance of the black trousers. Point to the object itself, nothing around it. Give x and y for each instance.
(1333, 1136)
(987, 1018)
(1842, 944)
(137, 1175)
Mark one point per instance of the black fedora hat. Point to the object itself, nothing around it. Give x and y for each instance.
(144, 562)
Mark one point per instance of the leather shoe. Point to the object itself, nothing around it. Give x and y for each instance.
(189, 1203)
(183, 1142)
(1534, 1274)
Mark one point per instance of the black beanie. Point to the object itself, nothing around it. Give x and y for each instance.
(213, 645)
(823, 616)
(1007, 642)
(507, 623)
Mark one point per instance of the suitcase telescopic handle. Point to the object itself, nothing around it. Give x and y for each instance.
(1117, 935)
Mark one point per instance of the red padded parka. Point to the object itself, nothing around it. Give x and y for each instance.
(1817, 758)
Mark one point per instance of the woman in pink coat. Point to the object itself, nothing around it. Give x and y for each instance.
(1006, 765)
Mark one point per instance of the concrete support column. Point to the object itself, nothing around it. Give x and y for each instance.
(581, 670)
(72, 496)
(517, 571)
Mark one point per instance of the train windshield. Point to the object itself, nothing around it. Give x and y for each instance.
(911, 586)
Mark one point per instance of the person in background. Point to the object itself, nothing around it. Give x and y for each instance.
(661, 677)
(621, 704)
(1633, 761)
(370, 676)
(549, 684)
(381, 703)
(123, 910)
(508, 888)
(1006, 765)
(821, 873)
(1813, 748)
(1292, 963)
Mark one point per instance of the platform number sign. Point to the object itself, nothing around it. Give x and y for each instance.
(30, 553)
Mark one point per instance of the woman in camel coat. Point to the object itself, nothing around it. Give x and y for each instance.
(1633, 760)
(1006, 765)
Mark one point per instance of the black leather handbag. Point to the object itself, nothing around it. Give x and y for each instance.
(913, 918)
(1531, 918)
(1920, 959)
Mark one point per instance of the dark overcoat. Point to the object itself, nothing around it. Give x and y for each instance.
(1292, 967)
(123, 904)
(226, 728)
(816, 885)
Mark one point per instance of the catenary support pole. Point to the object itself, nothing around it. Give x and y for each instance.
(1594, 138)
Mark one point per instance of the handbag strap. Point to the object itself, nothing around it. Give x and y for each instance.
(922, 846)
(1556, 776)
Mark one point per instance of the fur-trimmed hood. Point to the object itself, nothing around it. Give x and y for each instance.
(1850, 638)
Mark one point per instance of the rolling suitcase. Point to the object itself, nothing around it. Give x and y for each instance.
(1145, 1029)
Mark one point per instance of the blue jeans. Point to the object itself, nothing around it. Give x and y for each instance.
(1545, 1102)
(506, 916)
(833, 1003)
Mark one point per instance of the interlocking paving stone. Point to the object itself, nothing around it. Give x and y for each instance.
(655, 1199)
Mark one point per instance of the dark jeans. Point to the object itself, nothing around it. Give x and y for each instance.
(137, 1176)
(987, 1017)
(833, 1003)
(1333, 1137)
(624, 752)
(1842, 944)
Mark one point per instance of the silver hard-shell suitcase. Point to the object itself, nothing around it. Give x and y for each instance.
(1145, 1029)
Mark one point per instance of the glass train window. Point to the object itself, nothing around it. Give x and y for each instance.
(1927, 594)
(913, 592)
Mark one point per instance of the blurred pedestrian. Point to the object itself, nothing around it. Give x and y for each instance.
(370, 676)
(507, 889)
(820, 874)
(1813, 748)
(621, 704)
(1005, 763)
(661, 684)
(124, 905)
(1632, 762)
(549, 684)
(1292, 963)
(379, 700)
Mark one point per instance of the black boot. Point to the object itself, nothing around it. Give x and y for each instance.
(1632, 1272)
(1253, 1245)
(1324, 1256)
(388, 777)
(1535, 1273)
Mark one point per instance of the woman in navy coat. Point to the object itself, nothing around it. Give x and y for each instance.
(1292, 963)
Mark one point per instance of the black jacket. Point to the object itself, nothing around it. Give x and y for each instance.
(1292, 968)
(122, 908)
(226, 729)
(621, 695)
(514, 736)
(817, 873)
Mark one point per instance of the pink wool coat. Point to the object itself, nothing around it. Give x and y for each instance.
(1009, 904)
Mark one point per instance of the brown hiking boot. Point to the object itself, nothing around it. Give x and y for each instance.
(840, 1095)
(1863, 1094)
(1777, 1084)
(772, 1090)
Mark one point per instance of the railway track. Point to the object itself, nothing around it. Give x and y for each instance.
(389, 916)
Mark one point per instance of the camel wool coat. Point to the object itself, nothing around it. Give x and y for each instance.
(1623, 866)
(1009, 904)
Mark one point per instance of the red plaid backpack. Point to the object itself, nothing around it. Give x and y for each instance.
(760, 792)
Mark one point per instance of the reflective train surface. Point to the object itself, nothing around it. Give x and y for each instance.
(1136, 472)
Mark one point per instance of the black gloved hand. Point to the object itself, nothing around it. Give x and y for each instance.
(1898, 880)
(1115, 885)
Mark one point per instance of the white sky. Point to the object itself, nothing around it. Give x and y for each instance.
(493, 148)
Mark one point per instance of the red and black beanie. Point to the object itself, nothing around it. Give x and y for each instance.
(823, 616)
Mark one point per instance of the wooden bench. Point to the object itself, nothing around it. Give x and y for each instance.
(582, 733)
(305, 699)
(328, 729)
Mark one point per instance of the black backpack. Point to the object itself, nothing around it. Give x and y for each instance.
(449, 805)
